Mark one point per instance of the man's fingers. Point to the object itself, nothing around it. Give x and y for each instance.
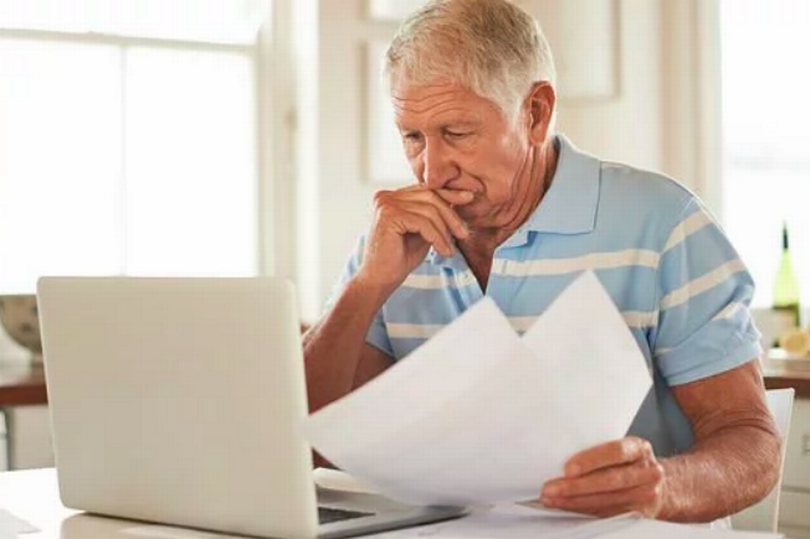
(425, 202)
(614, 453)
(606, 480)
(605, 504)
(609, 479)
(431, 215)
(417, 224)
(455, 197)
(452, 219)
(442, 216)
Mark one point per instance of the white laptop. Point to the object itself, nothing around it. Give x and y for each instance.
(179, 401)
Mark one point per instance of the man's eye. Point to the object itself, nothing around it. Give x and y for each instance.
(456, 134)
(411, 137)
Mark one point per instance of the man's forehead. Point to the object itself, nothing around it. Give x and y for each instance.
(445, 99)
(406, 92)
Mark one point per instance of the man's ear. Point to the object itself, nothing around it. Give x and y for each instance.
(540, 109)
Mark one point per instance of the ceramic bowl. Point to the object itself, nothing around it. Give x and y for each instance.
(20, 318)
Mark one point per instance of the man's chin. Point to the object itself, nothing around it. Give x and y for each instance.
(474, 215)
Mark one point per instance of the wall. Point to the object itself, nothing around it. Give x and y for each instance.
(629, 126)
(11, 352)
(31, 444)
(337, 203)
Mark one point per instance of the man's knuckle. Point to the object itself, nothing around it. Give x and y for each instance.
(658, 472)
(636, 442)
(382, 196)
(384, 210)
(635, 448)
(625, 451)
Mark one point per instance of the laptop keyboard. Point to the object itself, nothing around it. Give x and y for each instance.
(330, 514)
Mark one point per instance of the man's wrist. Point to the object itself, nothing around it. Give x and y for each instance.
(671, 500)
(371, 289)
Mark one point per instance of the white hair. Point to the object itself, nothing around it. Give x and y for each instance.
(492, 47)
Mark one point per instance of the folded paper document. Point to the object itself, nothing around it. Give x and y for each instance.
(479, 414)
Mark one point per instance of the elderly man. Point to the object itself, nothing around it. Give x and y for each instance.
(504, 207)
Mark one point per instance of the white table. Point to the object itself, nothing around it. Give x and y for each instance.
(33, 495)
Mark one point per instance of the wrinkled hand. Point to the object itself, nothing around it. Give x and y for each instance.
(609, 479)
(407, 222)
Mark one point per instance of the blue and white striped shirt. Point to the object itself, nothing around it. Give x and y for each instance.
(667, 265)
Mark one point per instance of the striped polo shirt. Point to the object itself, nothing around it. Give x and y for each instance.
(667, 265)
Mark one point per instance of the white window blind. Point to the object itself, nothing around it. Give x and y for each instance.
(117, 159)
(766, 135)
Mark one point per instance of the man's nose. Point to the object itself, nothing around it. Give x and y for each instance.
(438, 167)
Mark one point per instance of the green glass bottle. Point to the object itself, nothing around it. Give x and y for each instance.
(786, 288)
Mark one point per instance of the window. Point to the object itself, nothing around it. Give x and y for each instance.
(125, 157)
(766, 135)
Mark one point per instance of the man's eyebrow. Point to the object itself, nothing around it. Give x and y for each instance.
(462, 123)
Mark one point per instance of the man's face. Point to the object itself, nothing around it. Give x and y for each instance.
(455, 139)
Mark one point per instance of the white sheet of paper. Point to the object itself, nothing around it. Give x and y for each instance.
(502, 522)
(11, 526)
(329, 479)
(479, 415)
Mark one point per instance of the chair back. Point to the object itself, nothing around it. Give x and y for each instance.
(764, 515)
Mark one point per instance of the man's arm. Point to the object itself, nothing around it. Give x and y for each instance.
(327, 379)
(336, 356)
(736, 458)
(406, 223)
(733, 464)
(335, 349)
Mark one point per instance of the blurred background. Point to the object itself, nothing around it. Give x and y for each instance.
(224, 137)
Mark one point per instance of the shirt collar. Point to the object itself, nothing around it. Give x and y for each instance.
(568, 207)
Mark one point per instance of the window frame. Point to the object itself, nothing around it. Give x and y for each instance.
(260, 55)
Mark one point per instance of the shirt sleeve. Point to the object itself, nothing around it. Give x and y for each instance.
(377, 335)
(704, 291)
